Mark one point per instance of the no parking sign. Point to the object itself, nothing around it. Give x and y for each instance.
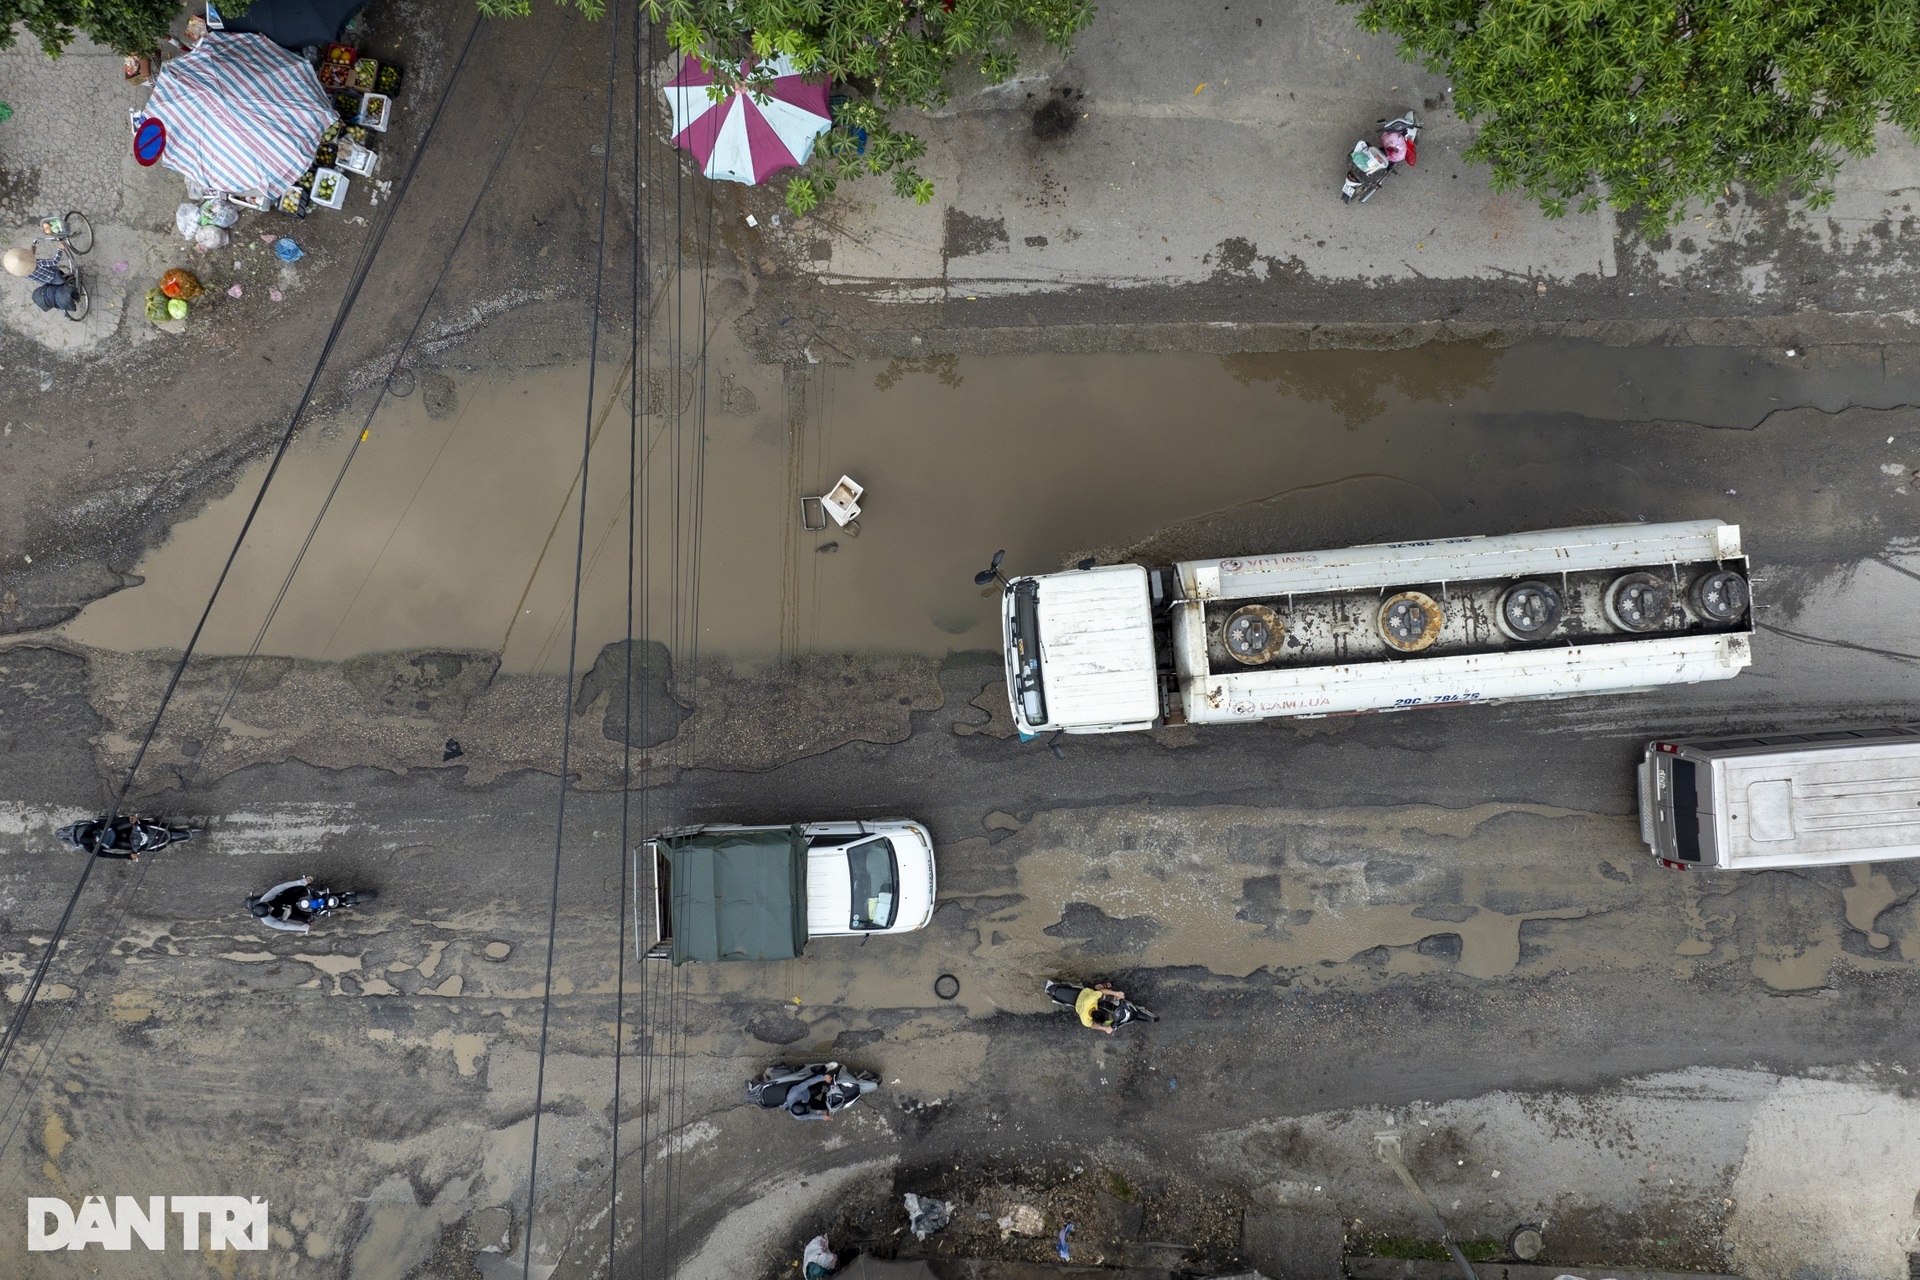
(149, 140)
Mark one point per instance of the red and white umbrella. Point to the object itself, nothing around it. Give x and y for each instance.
(744, 138)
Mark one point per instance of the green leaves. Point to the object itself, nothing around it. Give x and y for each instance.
(125, 26)
(880, 56)
(1652, 104)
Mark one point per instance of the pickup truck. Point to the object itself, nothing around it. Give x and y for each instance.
(723, 891)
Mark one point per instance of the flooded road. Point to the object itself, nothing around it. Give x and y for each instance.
(455, 527)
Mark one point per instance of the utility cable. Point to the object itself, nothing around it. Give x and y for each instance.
(17, 1023)
(635, 259)
(573, 654)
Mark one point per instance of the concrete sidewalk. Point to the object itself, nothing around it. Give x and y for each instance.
(1186, 144)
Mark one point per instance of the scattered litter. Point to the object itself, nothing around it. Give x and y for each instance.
(276, 295)
(1023, 1220)
(1060, 1243)
(752, 221)
(268, 237)
(1732, 493)
(926, 1215)
(1496, 1173)
(453, 752)
(1539, 288)
(1173, 1085)
(1197, 88)
(827, 548)
(287, 251)
(46, 380)
(234, 291)
(819, 1258)
(120, 268)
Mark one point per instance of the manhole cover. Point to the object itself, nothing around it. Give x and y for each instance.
(1410, 621)
(1529, 611)
(1252, 634)
(1638, 602)
(1720, 596)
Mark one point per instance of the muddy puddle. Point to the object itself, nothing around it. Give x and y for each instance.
(455, 527)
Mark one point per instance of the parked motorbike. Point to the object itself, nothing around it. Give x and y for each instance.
(1119, 1012)
(1369, 164)
(124, 835)
(816, 1091)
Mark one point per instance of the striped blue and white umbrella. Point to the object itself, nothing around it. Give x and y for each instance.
(242, 114)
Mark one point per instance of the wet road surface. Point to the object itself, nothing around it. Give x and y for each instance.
(1440, 920)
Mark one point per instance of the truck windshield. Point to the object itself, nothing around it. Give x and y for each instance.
(876, 884)
(1026, 645)
(1686, 810)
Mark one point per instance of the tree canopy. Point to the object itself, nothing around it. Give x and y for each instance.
(882, 55)
(125, 26)
(1651, 104)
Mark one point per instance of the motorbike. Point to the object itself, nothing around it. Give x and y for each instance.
(1120, 1012)
(133, 836)
(314, 901)
(1369, 165)
(832, 1088)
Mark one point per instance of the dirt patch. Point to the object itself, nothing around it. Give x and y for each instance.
(369, 712)
(968, 235)
(1120, 1217)
(1055, 118)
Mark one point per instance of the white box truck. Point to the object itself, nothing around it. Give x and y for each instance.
(1756, 802)
(1389, 627)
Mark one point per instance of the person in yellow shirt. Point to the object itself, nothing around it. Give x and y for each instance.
(1096, 1006)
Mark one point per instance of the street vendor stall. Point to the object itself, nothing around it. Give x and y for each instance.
(242, 115)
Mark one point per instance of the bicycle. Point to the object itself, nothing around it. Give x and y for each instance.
(73, 232)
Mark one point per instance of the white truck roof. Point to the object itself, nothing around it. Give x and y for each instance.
(1513, 555)
(1096, 647)
(1789, 808)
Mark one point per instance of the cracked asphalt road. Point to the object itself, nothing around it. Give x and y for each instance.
(1441, 922)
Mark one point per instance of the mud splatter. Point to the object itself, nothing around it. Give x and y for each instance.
(1869, 895)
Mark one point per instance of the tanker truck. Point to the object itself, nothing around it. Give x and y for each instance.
(1388, 627)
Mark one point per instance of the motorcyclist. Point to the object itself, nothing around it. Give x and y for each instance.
(124, 837)
(800, 1104)
(283, 906)
(1097, 1006)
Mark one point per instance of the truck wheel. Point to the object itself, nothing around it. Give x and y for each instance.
(1410, 621)
(1720, 596)
(1528, 610)
(1638, 602)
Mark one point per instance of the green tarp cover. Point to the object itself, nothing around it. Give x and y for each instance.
(738, 895)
